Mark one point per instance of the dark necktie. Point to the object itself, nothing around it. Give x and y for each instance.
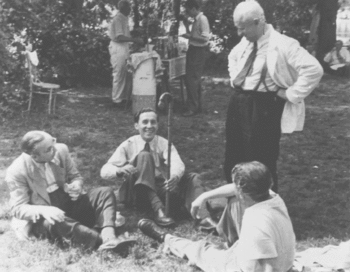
(240, 78)
(147, 147)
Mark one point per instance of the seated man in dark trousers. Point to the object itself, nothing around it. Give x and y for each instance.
(257, 216)
(142, 160)
(48, 201)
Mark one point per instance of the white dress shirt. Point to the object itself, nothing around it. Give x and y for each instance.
(127, 152)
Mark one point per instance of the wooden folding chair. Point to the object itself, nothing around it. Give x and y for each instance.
(43, 88)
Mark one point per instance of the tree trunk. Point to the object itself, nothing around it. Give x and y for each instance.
(135, 10)
(327, 26)
(176, 13)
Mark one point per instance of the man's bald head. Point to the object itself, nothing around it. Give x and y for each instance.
(31, 139)
(249, 19)
(249, 11)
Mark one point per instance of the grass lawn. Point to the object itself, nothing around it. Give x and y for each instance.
(313, 170)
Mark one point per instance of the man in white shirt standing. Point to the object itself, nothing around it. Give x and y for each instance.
(142, 161)
(338, 60)
(195, 57)
(119, 34)
(271, 75)
(260, 218)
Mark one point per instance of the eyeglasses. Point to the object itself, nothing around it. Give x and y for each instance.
(51, 148)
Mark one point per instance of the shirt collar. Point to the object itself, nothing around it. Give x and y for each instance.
(125, 17)
(55, 161)
(151, 143)
(265, 37)
(198, 15)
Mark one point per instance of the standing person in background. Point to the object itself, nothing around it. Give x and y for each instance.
(195, 57)
(119, 34)
(337, 60)
(271, 75)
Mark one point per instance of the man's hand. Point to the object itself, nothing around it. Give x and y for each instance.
(196, 205)
(127, 171)
(74, 190)
(282, 93)
(51, 214)
(186, 35)
(171, 184)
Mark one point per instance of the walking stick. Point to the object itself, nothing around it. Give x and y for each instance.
(170, 113)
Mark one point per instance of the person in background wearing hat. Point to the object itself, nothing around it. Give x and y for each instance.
(254, 215)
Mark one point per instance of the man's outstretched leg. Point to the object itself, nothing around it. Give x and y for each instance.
(200, 253)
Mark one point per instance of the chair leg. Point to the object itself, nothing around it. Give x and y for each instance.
(182, 89)
(54, 103)
(50, 100)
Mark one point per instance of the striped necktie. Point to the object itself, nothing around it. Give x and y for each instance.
(240, 78)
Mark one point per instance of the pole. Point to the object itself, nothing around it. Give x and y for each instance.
(170, 113)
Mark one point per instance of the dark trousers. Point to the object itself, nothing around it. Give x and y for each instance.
(195, 60)
(133, 190)
(253, 130)
(85, 217)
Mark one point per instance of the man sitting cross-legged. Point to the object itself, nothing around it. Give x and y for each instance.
(142, 160)
(48, 201)
(266, 237)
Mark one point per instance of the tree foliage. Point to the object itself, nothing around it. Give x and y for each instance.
(71, 38)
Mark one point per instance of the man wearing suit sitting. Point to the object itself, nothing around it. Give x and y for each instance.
(48, 201)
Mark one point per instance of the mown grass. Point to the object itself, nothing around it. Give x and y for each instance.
(313, 171)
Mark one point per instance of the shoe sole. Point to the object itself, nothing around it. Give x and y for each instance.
(165, 224)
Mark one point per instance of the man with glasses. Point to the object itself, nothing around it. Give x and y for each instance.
(47, 198)
(271, 75)
(255, 225)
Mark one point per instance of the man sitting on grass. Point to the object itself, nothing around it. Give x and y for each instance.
(48, 201)
(259, 217)
(338, 60)
(142, 161)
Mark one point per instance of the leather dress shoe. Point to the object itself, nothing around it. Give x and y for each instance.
(150, 229)
(162, 220)
(120, 244)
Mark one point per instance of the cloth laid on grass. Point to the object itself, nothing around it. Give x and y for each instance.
(327, 259)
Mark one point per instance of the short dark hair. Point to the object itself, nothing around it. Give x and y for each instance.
(122, 4)
(137, 114)
(254, 179)
(192, 4)
(30, 140)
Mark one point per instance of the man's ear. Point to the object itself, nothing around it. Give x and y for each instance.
(136, 125)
